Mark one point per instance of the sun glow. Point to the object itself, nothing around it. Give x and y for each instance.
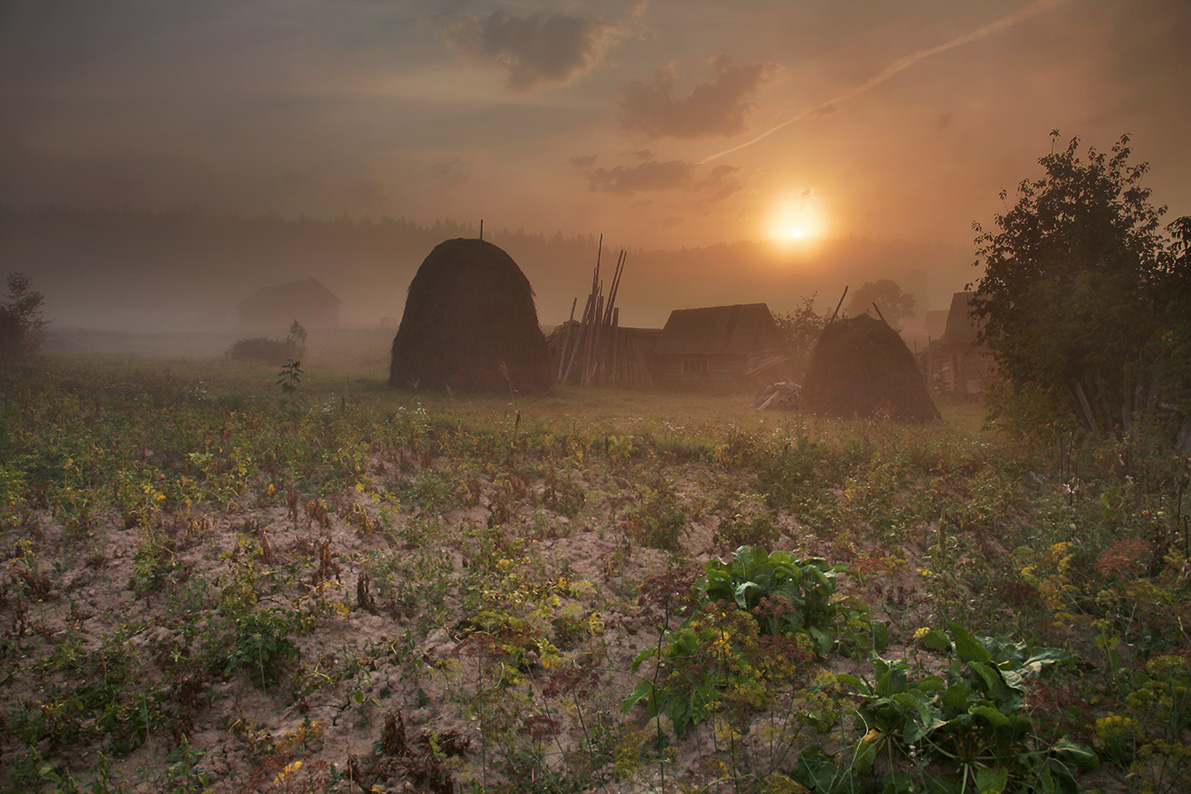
(796, 220)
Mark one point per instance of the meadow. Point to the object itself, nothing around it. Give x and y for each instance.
(228, 578)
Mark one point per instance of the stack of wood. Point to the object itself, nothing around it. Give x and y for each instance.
(596, 351)
(782, 395)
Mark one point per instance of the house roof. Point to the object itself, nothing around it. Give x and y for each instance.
(961, 326)
(716, 330)
(294, 292)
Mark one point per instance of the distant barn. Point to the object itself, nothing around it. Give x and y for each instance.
(725, 344)
(861, 368)
(958, 362)
(276, 307)
(470, 323)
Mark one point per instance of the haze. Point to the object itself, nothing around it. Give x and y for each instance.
(664, 126)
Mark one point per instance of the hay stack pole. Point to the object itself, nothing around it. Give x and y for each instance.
(588, 309)
(841, 303)
(593, 354)
(566, 339)
(583, 341)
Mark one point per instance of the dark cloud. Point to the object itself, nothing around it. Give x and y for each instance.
(584, 160)
(534, 49)
(650, 175)
(714, 108)
(643, 154)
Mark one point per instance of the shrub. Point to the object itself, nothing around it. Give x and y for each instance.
(271, 351)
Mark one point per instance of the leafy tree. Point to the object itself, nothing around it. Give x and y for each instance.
(800, 330)
(894, 304)
(1078, 294)
(21, 325)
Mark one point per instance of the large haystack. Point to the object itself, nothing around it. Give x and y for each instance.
(861, 368)
(470, 323)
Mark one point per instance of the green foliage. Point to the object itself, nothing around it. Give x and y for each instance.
(800, 330)
(894, 304)
(748, 522)
(21, 325)
(289, 380)
(799, 592)
(257, 644)
(722, 647)
(970, 724)
(656, 521)
(1081, 297)
(262, 349)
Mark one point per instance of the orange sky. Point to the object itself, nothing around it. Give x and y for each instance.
(659, 124)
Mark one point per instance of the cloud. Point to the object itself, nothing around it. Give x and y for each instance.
(714, 108)
(900, 65)
(584, 160)
(535, 49)
(451, 171)
(721, 182)
(650, 175)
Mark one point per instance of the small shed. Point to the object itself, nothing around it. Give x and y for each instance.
(719, 344)
(274, 308)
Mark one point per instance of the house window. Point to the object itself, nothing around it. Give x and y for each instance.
(694, 367)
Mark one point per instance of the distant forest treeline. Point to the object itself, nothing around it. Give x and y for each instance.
(187, 269)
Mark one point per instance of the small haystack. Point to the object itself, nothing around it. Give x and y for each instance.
(862, 368)
(470, 323)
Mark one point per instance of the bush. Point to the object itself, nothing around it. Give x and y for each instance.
(271, 351)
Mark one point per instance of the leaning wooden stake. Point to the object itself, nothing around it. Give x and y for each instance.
(566, 339)
(841, 303)
(579, 339)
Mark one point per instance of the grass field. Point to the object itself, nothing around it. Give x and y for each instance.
(218, 577)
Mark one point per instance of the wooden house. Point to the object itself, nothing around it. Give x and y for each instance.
(725, 344)
(273, 309)
(957, 362)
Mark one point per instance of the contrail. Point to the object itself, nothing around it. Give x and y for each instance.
(900, 65)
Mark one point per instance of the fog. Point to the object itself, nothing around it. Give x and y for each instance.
(186, 272)
(208, 151)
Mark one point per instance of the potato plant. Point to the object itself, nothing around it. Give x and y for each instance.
(207, 584)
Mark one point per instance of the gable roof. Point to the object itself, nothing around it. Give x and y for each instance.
(961, 326)
(740, 329)
(294, 292)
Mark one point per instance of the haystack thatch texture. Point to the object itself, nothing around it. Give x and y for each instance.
(862, 368)
(470, 323)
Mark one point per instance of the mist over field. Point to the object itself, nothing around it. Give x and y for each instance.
(186, 271)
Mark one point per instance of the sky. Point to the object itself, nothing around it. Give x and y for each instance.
(660, 124)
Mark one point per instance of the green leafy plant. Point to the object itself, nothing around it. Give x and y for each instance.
(966, 728)
(289, 379)
(747, 607)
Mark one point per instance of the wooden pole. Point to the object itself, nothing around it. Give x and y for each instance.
(615, 371)
(566, 339)
(841, 303)
(579, 339)
(593, 347)
(615, 285)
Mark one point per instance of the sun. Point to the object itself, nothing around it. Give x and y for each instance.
(796, 220)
